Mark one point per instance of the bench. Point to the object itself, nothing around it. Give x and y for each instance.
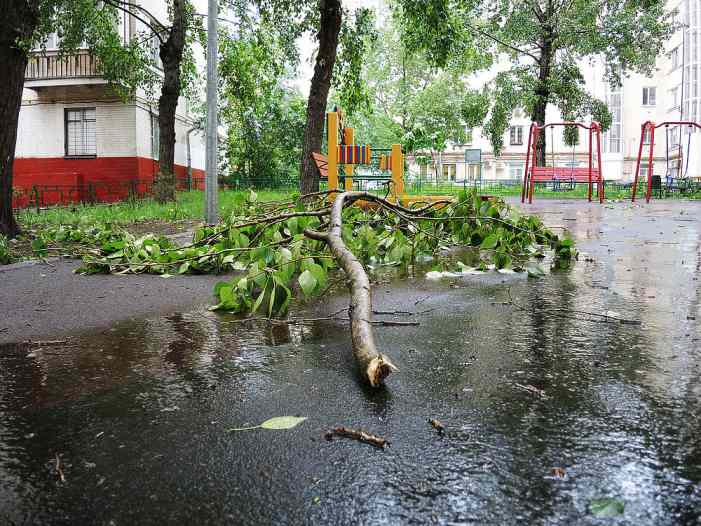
(563, 173)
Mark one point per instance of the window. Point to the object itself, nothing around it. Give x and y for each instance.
(449, 171)
(468, 136)
(674, 57)
(474, 172)
(643, 171)
(612, 138)
(516, 135)
(674, 96)
(649, 96)
(80, 132)
(516, 170)
(155, 137)
(646, 136)
(674, 137)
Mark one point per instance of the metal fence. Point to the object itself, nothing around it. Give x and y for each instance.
(94, 192)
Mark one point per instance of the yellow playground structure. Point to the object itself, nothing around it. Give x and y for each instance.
(345, 153)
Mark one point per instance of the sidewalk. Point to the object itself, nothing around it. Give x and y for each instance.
(46, 300)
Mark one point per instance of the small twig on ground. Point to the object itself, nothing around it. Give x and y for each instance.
(436, 424)
(357, 434)
(59, 470)
(4, 329)
(531, 389)
(395, 323)
(392, 312)
(43, 343)
(573, 313)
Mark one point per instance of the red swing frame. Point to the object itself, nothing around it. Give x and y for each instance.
(650, 164)
(533, 173)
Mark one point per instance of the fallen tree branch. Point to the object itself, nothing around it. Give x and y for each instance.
(357, 434)
(375, 366)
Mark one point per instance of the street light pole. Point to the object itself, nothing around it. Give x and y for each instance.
(211, 183)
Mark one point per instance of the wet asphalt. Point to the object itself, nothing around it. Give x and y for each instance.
(119, 415)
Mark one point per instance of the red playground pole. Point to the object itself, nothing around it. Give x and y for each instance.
(590, 163)
(525, 172)
(640, 154)
(602, 189)
(649, 165)
(536, 133)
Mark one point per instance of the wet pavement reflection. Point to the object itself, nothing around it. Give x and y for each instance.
(128, 425)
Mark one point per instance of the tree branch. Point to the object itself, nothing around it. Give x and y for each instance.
(118, 4)
(501, 42)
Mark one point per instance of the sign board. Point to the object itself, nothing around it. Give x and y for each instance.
(473, 156)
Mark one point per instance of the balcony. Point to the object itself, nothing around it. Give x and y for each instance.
(51, 70)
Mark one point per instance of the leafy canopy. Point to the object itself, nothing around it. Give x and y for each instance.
(546, 42)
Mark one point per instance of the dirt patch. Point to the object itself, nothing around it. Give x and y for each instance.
(161, 227)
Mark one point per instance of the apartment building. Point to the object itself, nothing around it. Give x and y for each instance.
(77, 140)
(671, 94)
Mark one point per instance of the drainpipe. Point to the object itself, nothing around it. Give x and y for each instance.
(189, 158)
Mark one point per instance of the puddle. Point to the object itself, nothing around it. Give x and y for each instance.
(137, 415)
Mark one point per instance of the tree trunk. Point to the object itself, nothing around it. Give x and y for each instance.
(542, 93)
(171, 54)
(329, 29)
(18, 22)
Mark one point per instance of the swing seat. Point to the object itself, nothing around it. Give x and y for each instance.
(563, 173)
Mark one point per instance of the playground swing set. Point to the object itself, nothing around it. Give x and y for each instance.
(343, 152)
(559, 174)
(655, 182)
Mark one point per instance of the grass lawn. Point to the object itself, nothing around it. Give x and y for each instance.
(189, 207)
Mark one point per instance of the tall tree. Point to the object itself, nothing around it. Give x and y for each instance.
(411, 101)
(264, 118)
(18, 23)
(328, 34)
(171, 52)
(546, 42)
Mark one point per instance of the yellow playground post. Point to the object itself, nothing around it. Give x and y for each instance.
(332, 167)
(348, 138)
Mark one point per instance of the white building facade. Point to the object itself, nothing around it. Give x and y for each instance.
(78, 140)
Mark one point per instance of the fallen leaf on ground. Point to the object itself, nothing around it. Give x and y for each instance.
(557, 472)
(436, 425)
(606, 507)
(278, 422)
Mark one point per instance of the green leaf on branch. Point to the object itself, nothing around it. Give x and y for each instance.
(490, 242)
(307, 282)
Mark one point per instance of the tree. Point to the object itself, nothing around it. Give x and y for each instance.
(17, 25)
(171, 54)
(546, 42)
(329, 28)
(264, 118)
(174, 39)
(411, 101)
